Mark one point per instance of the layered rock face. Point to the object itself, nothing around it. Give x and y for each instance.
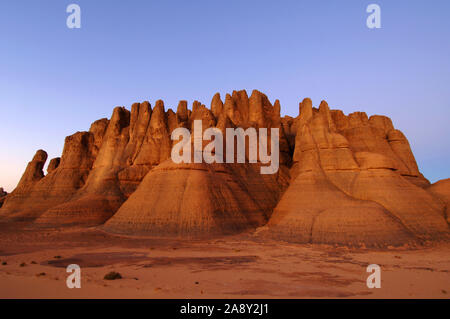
(441, 190)
(2, 196)
(37, 193)
(199, 199)
(354, 181)
(341, 180)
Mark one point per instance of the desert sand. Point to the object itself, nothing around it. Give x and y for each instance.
(240, 266)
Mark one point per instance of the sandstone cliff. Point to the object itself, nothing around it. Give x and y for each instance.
(441, 190)
(37, 193)
(343, 179)
(353, 182)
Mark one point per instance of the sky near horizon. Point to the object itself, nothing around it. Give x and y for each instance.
(55, 81)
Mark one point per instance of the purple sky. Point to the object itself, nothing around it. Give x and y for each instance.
(55, 81)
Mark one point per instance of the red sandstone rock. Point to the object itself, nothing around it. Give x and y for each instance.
(216, 105)
(2, 196)
(353, 180)
(441, 190)
(54, 163)
(32, 199)
(198, 200)
(34, 171)
(348, 185)
(32, 175)
(100, 195)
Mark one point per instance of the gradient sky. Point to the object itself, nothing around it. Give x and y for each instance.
(55, 81)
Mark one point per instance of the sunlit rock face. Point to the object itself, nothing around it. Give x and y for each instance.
(342, 179)
(354, 181)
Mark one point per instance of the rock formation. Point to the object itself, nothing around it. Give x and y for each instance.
(441, 190)
(354, 181)
(2, 196)
(343, 179)
(198, 200)
(36, 193)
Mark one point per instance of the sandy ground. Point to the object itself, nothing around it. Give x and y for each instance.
(231, 267)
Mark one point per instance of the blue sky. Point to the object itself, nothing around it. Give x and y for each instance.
(55, 81)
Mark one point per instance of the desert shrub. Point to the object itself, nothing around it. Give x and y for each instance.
(112, 276)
